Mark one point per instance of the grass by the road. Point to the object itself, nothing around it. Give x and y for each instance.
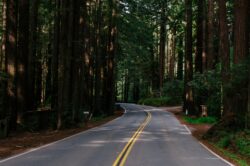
(200, 120)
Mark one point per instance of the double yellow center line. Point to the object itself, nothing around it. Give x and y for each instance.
(121, 159)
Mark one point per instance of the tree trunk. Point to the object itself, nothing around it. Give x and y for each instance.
(65, 63)
(3, 42)
(86, 83)
(172, 56)
(22, 60)
(136, 90)
(180, 59)
(248, 106)
(32, 54)
(110, 99)
(77, 64)
(204, 38)
(241, 31)
(241, 50)
(224, 55)
(54, 74)
(210, 36)
(188, 98)
(248, 101)
(62, 67)
(98, 80)
(162, 45)
(199, 35)
(38, 80)
(11, 51)
(126, 87)
(3, 104)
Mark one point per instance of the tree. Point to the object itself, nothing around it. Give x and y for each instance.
(33, 22)
(210, 35)
(241, 30)
(98, 59)
(22, 57)
(199, 35)
(248, 106)
(111, 50)
(224, 55)
(188, 95)
(241, 51)
(11, 50)
(162, 44)
(180, 59)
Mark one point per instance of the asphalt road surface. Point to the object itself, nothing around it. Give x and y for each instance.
(143, 136)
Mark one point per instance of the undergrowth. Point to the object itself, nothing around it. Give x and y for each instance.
(200, 120)
(159, 101)
(234, 144)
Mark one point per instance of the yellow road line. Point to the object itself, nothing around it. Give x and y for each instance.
(121, 159)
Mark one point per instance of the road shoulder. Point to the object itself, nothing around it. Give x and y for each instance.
(198, 130)
(18, 143)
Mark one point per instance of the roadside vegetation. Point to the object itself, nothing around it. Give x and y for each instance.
(62, 62)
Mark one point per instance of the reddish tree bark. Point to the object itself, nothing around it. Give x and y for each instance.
(188, 92)
(224, 54)
(10, 61)
(162, 45)
(210, 36)
(241, 31)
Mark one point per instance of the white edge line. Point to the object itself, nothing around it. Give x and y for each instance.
(52, 143)
(216, 154)
(189, 132)
(209, 149)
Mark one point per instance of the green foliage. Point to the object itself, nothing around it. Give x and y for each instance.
(174, 91)
(137, 52)
(172, 95)
(69, 122)
(234, 144)
(225, 141)
(201, 120)
(242, 142)
(161, 101)
(98, 118)
(207, 90)
(233, 156)
(239, 78)
(38, 120)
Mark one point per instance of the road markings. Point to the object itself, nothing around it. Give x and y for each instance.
(121, 159)
(59, 141)
(189, 132)
(230, 164)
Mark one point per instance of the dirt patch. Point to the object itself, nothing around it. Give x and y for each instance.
(198, 130)
(21, 142)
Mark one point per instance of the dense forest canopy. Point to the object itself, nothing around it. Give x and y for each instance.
(67, 57)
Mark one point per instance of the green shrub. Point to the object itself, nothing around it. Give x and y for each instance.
(201, 120)
(174, 91)
(161, 101)
(242, 142)
(225, 141)
(207, 90)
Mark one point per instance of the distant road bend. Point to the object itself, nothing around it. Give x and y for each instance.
(143, 136)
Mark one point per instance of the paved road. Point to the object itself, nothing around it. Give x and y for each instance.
(143, 136)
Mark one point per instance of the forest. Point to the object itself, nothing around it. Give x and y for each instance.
(62, 58)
